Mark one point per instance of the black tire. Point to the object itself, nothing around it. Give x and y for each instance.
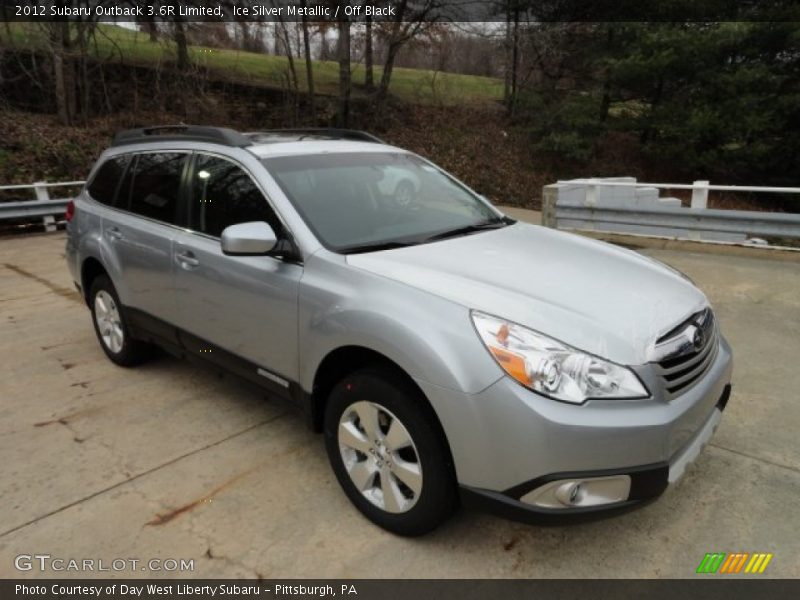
(132, 352)
(392, 391)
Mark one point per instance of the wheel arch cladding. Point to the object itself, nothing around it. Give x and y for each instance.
(90, 269)
(346, 360)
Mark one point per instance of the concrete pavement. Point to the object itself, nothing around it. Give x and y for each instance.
(167, 461)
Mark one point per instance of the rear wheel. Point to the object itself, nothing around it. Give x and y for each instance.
(388, 453)
(110, 326)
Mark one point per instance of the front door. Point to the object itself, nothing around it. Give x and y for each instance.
(245, 305)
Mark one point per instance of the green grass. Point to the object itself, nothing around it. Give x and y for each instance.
(131, 47)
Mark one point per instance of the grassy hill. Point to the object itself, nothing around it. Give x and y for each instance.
(114, 43)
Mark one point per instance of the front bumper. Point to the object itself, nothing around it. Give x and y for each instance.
(646, 483)
(507, 441)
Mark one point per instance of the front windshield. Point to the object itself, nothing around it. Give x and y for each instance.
(360, 201)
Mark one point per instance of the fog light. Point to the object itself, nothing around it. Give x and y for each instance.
(568, 493)
(571, 493)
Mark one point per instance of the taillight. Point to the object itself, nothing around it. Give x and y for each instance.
(70, 211)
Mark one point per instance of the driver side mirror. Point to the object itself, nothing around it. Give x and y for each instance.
(248, 239)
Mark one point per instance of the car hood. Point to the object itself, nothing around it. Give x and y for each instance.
(591, 295)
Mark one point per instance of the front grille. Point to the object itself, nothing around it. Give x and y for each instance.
(685, 363)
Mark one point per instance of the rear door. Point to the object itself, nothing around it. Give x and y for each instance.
(140, 234)
(245, 305)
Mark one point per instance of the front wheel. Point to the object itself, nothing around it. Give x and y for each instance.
(388, 453)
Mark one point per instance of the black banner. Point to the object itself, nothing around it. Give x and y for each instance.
(711, 588)
(399, 10)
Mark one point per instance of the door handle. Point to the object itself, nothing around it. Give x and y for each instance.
(114, 233)
(187, 259)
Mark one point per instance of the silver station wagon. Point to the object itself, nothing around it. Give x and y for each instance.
(449, 354)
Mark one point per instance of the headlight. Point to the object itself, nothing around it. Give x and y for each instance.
(551, 368)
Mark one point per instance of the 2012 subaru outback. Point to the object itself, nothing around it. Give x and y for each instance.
(447, 352)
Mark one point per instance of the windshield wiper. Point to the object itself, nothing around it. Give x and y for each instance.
(374, 247)
(475, 227)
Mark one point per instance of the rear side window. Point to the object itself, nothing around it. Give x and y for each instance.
(156, 185)
(224, 194)
(103, 187)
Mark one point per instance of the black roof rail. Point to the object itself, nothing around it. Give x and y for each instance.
(182, 133)
(333, 133)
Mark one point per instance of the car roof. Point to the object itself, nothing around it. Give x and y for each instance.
(262, 144)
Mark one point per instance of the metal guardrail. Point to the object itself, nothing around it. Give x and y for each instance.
(702, 185)
(33, 208)
(695, 220)
(43, 206)
(779, 225)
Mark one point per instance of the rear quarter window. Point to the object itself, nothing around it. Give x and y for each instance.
(104, 184)
(156, 185)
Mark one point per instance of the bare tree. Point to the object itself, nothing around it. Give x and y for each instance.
(411, 18)
(67, 44)
(511, 101)
(149, 26)
(58, 33)
(343, 54)
(284, 43)
(369, 77)
(179, 35)
(309, 67)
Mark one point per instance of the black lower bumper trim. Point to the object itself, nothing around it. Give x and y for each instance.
(497, 504)
(647, 483)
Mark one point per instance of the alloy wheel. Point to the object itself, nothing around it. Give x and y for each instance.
(109, 322)
(380, 456)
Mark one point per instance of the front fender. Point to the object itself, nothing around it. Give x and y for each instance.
(430, 338)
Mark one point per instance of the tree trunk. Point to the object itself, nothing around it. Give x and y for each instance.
(507, 52)
(344, 73)
(309, 69)
(148, 25)
(6, 11)
(180, 42)
(70, 75)
(512, 101)
(369, 77)
(61, 92)
(324, 46)
(395, 43)
(244, 34)
(84, 72)
(289, 56)
(386, 76)
(605, 103)
(648, 131)
(64, 104)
